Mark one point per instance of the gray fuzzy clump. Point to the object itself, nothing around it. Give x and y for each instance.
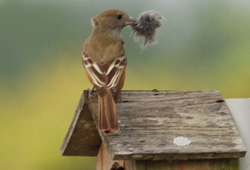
(146, 25)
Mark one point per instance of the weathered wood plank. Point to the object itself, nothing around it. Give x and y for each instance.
(172, 125)
(104, 160)
(212, 164)
(82, 138)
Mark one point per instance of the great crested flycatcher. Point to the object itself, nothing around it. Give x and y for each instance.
(105, 63)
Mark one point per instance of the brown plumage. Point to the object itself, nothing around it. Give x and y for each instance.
(105, 63)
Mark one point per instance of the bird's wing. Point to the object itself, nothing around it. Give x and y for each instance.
(115, 71)
(95, 73)
(101, 77)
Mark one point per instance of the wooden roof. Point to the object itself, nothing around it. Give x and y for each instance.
(82, 138)
(158, 125)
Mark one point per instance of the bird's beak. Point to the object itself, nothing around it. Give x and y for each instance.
(131, 21)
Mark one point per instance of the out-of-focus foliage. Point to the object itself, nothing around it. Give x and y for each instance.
(202, 45)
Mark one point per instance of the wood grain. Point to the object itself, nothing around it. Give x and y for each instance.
(82, 138)
(105, 162)
(151, 120)
(208, 164)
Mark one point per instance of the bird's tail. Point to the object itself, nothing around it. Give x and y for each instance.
(108, 121)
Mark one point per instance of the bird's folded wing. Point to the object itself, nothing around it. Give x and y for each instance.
(94, 72)
(115, 71)
(104, 78)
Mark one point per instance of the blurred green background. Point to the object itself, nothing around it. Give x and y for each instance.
(202, 45)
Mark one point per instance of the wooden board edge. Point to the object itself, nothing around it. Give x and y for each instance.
(83, 100)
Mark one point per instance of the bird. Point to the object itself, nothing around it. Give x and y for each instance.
(104, 61)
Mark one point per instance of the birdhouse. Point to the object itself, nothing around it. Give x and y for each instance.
(159, 130)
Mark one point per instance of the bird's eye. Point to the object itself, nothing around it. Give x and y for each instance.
(119, 16)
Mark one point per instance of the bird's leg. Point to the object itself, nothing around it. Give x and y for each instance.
(117, 97)
(92, 90)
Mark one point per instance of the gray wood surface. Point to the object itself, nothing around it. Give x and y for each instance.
(105, 162)
(201, 164)
(151, 123)
(82, 138)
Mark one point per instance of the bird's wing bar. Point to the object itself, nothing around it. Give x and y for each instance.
(95, 73)
(115, 71)
(101, 78)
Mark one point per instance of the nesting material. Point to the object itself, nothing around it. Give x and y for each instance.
(146, 25)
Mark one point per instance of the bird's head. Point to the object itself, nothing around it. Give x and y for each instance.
(113, 20)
